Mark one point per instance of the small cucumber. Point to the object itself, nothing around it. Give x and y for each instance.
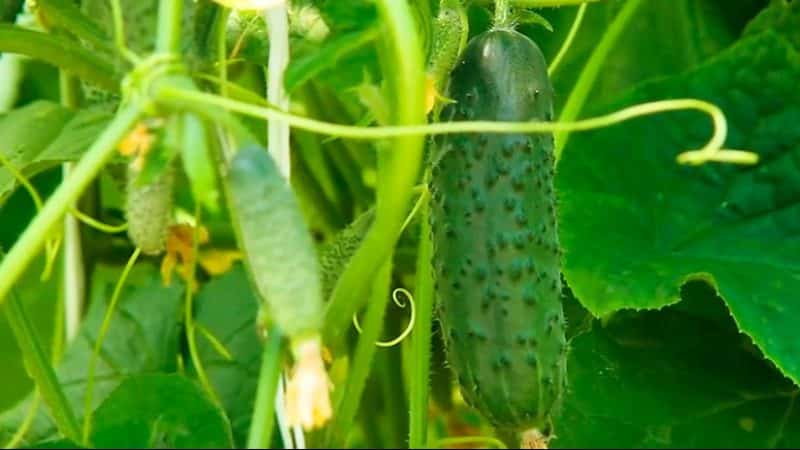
(277, 243)
(148, 207)
(496, 253)
(335, 255)
(450, 31)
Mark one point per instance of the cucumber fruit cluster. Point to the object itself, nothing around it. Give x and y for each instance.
(496, 260)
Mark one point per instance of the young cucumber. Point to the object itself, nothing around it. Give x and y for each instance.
(276, 240)
(148, 207)
(496, 254)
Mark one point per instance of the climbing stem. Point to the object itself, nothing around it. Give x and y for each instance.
(33, 238)
(580, 92)
(421, 340)
(263, 422)
(170, 15)
(36, 361)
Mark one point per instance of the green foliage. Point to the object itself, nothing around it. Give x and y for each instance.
(678, 284)
(663, 224)
(143, 338)
(159, 411)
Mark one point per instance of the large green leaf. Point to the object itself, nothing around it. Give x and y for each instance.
(42, 135)
(635, 225)
(142, 338)
(668, 379)
(26, 132)
(159, 411)
(663, 38)
(227, 307)
(782, 16)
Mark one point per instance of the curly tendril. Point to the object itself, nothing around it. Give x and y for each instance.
(401, 304)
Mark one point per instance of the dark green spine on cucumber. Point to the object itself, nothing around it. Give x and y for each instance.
(496, 252)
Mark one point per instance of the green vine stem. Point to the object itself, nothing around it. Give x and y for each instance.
(350, 396)
(580, 92)
(398, 166)
(73, 269)
(263, 422)
(59, 52)
(35, 235)
(573, 31)
(88, 399)
(170, 16)
(39, 368)
(712, 151)
(421, 340)
(502, 9)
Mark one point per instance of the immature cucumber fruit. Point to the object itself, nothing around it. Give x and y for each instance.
(148, 207)
(496, 253)
(335, 256)
(450, 32)
(276, 241)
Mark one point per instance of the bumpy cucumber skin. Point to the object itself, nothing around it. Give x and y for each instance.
(149, 210)
(449, 38)
(335, 256)
(496, 254)
(277, 243)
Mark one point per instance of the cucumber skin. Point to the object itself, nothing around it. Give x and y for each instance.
(279, 249)
(148, 208)
(496, 257)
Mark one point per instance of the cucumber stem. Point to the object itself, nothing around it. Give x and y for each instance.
(501, 13)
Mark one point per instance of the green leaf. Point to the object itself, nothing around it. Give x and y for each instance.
(663, 38)
(227, 307)
(142, 338)
(635, 225)
(26, 132)
(60, 443)
(61, 53)
(66, 15)
(668, 379)
(159, 411)
(782, 16)
(330, 53)
(41, 135)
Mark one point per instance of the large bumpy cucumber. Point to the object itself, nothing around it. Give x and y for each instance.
(496, 253)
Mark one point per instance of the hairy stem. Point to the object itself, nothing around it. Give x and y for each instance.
(421, 340)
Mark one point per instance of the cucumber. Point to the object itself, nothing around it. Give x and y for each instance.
(277, 243)
(496, 256)
(450, 31)
(335, 256)
(148, 207)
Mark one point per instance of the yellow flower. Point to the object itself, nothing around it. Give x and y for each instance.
(308, 391)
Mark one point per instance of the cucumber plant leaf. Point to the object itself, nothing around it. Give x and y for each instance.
(142, 338)
(782, 16)
(26, 132)
(231, 320)
(672, 379)
(636, 225)
(41, 135)
(159, 411)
